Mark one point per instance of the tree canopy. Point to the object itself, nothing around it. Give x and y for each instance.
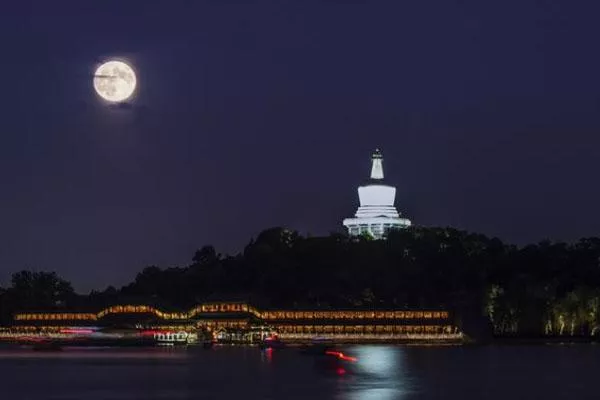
(545, 288)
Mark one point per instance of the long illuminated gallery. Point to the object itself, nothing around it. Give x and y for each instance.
(231, 321)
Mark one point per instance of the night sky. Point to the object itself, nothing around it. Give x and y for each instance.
(261, 114)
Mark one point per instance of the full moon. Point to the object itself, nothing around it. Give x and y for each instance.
(115, 81)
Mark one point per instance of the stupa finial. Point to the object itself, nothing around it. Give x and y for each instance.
(377, 165)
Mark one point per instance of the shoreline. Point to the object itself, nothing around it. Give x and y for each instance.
(516, 340)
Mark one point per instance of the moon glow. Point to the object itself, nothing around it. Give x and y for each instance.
(115, 81)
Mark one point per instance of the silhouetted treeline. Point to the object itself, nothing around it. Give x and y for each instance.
(547, 288)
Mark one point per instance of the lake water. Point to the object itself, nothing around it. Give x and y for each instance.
(380, 373)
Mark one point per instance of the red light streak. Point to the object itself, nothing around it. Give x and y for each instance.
(341, 356)
(77, 331)
(30, 339)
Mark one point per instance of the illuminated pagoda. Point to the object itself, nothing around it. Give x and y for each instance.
(376, 214)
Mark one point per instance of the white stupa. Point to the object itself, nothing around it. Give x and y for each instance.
(376, 214)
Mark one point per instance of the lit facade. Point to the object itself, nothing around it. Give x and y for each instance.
(376, 214)
(354, 325)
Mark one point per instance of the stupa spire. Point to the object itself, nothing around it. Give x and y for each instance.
(377, 165)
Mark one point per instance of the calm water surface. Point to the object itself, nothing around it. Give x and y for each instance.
(381, 373)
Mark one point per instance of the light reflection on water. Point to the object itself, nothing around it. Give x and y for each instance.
(379, 360)
(380, 373)
(94, 353)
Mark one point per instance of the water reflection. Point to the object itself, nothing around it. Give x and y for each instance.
(97, 353)
(381, 361)
(380, 374)
(375, 394)
(266, 355)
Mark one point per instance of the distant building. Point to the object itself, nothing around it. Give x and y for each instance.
(228, 321)
(376, 214)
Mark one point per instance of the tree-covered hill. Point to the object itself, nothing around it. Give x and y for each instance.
(546, 288)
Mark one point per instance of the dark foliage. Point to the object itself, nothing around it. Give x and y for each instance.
(548, 288)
